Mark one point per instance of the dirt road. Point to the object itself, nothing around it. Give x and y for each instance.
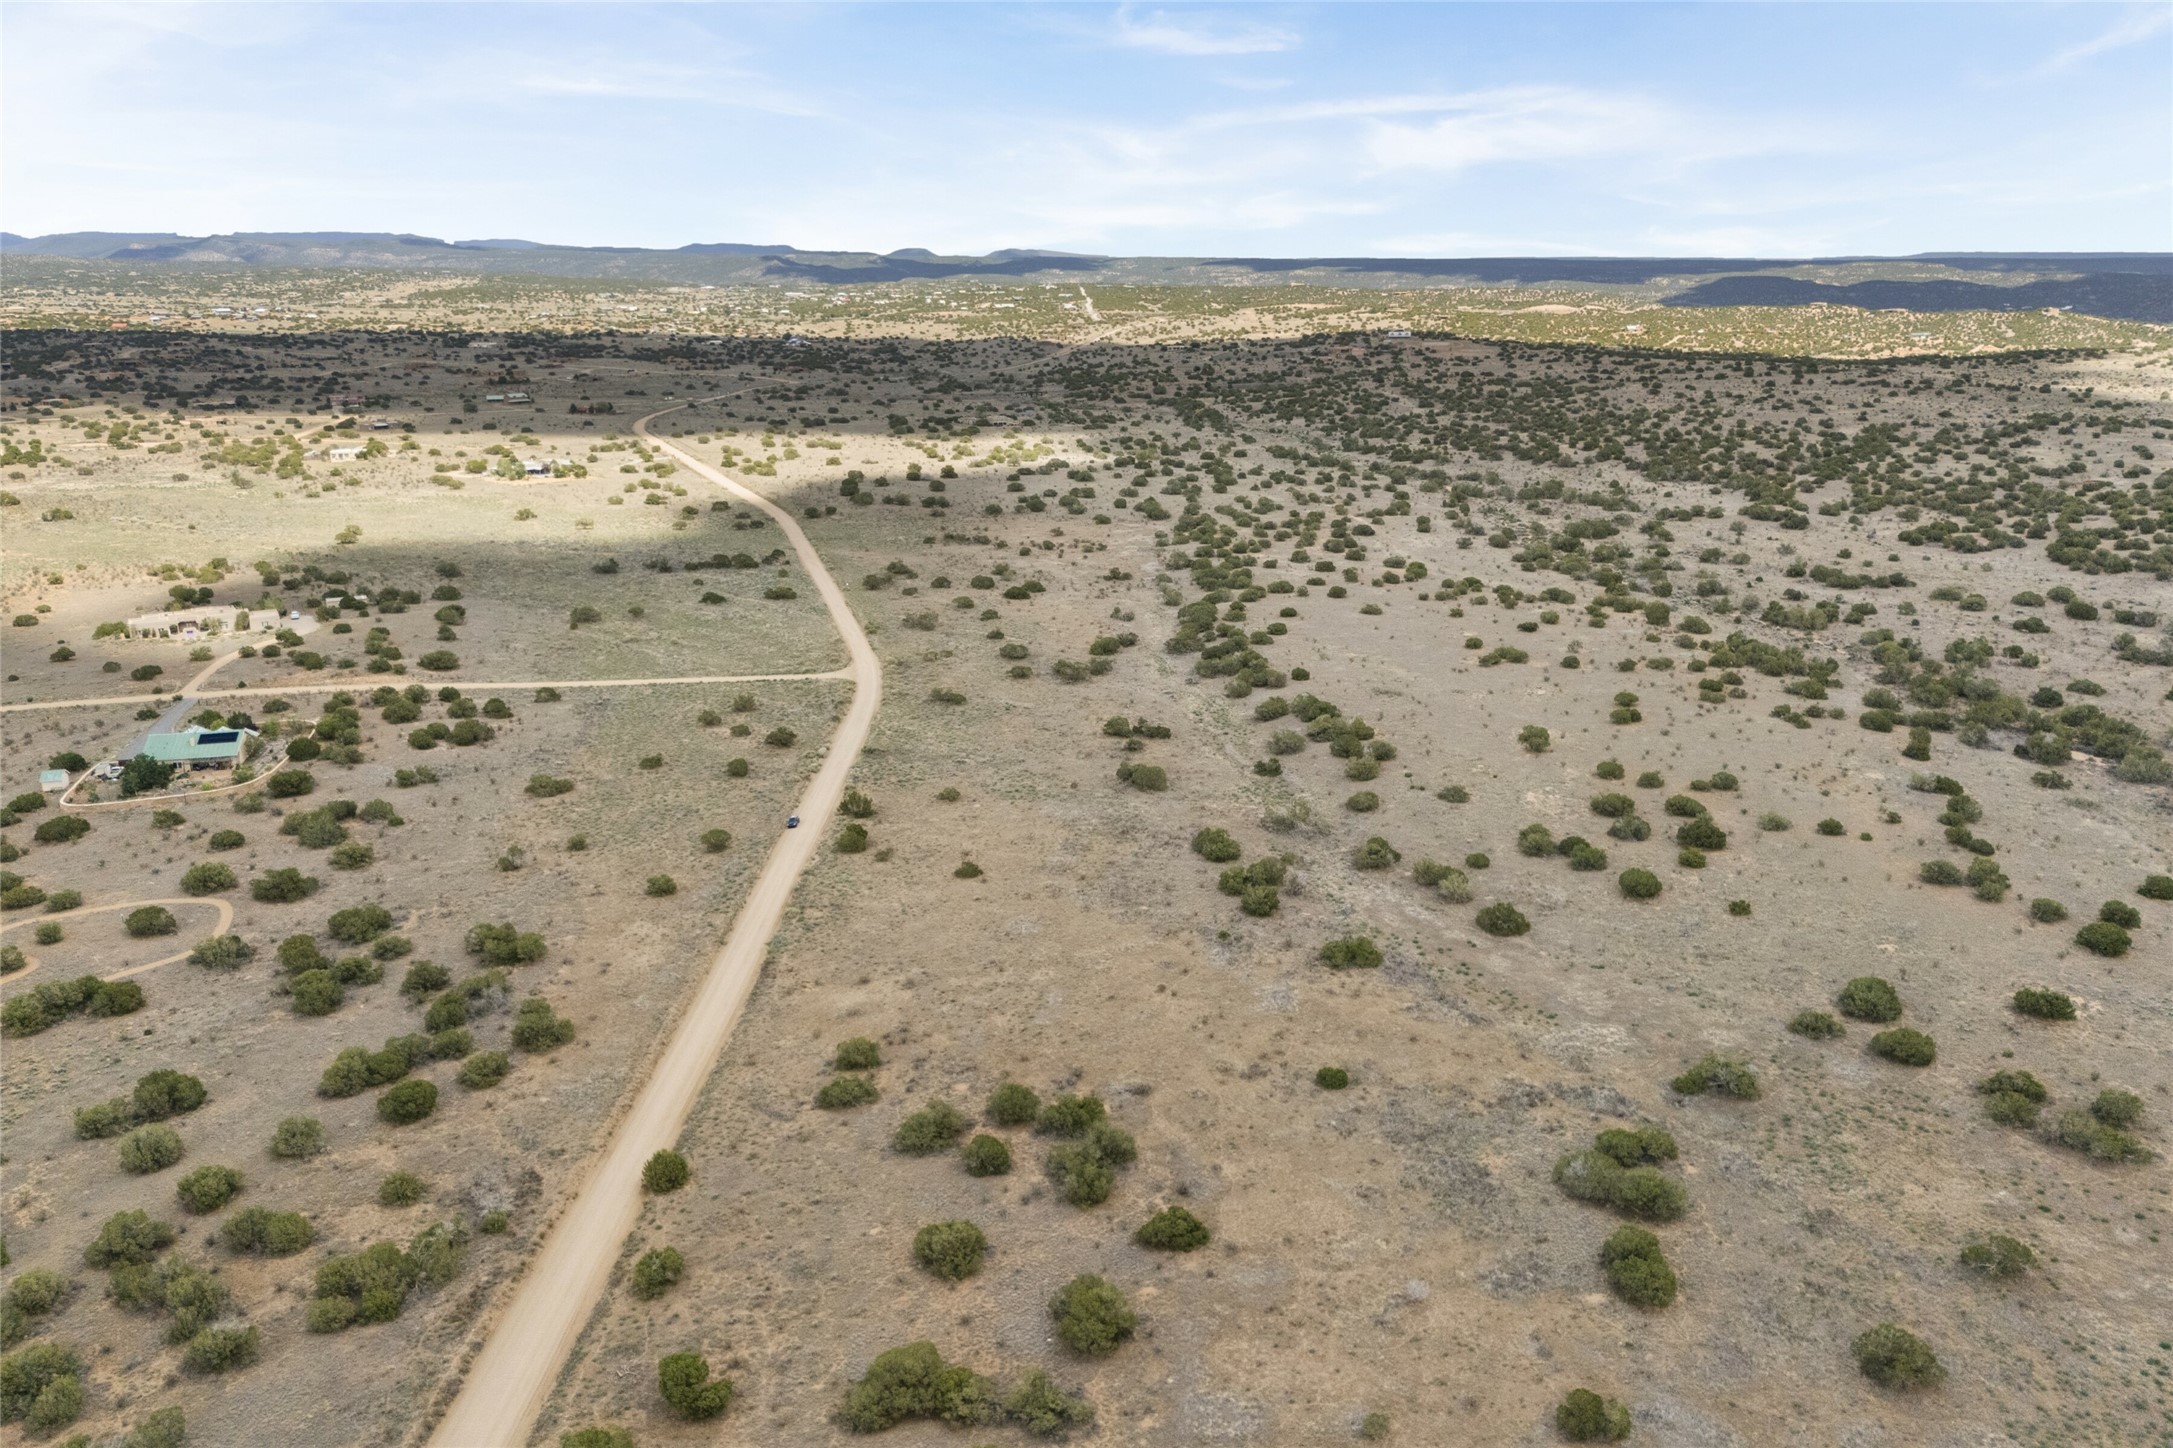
(535, 1330)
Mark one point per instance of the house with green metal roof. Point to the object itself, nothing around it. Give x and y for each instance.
(197, 747)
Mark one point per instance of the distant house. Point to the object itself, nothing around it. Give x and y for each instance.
(53, 781)
(345, 453)
(535, 469)
(1397, 332)
(519, 397)
(198, 748)
(194, 623)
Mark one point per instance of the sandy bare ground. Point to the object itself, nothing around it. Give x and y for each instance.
(226, 921)
(512, 1372)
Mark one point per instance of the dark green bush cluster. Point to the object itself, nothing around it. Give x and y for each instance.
(986, 1156)
(401, 1189)
(1092, 1317)
(41, 1387)
(407, 1103)
(1870, 998)
(2047, 911)
(1084, 1168)
(1503, 919)
(222, 952)
(1450, 883)
(1215, 845)
(1814, 1025)
(656, 1272)
(1894, 1357)
(502, 944)
(373, 1285)
(1716, 1075)
(150, 1148)
(2091, 1133)
(1646, 1145)
(259, 1232)
(1638, 884)
(537, 1028)
(841, 1092)
(1637, 1269)
(2012, 1098)
(158, 1096)
(933, 1128)
(1999, 1256)
(1173, 1229)
(2156, 887)
(208, 1188)
(1331, 1078)
(1014, 1105)
(665, 1171)
(51, 1002)
(357, 1069)
(1641, 1191)
(683, 1378)
(2103, 937)
(2044, 1005)
(1375, 854)
(1352, 952)
(1585, 1417)
(857, 1054)
(297, 1138)
(950, 1250)
(1257, 886)
(1905, 1046)
(1152, 778)
(915, 1382)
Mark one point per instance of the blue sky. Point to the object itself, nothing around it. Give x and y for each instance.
(1339, 129)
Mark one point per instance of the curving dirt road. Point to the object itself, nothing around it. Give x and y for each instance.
(535, 1329)
(226, 921)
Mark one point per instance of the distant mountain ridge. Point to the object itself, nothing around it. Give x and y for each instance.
(2136, 286)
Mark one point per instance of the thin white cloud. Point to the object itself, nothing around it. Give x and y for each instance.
(1167, 34)
(2137, 26)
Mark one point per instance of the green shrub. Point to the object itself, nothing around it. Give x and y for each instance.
(1869, 998)
(2047, 912)
(857, 1054)
(597, 1437)
(986, 1156)
(2115, 1107)
(929, 1130)
(1640, 1191)
(1815, 1025)
(151, 920)
(915, 1382)
(1535, 739)
(208, 1188)
(502, 944)
(2102, 937)
(1535, 840)
(1215, 845)
(1363, 802)
(41, 1387)
(1331, 1078)
(1682, 806)
(659, 886)
(37, 1292)
(150, 1148)
(840, 1092)
(1045, 1410)
(1701, 834)
(1894, 1357)
(1636, 1268)
(683, 1378)
(1503, 919)
(1905, 1046)
(1999, 1256)
(207, 878)
(1353, 952)
(315, 993)
(1832, 828)
(1152, 778)
(1085, 1170)
(1585, 1417)
(1092, 1317)
(166, 1093)
(298, 1138)
(401, 1189)
(656, 1272)
(407, 1103)
(2044, 1005)
(484, 1070)
(1639, 884)
(1716, 1075)
(2080, 1131)
(1613, 806)
(2156, 887)
(1013, 1105)
(1375, 854)
(665, 1171)
(1645, 1146)
(258, 1232)
(2120, 913)
(536, 1027)
(950, 1250)
(128, 1239)
(1173, 1229)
